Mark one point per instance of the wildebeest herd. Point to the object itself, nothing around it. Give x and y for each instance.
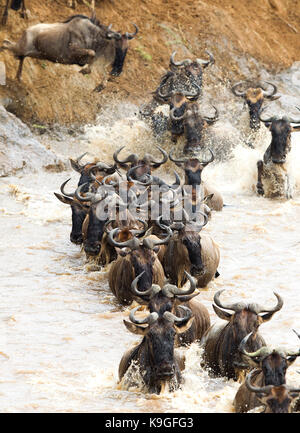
(150, 233)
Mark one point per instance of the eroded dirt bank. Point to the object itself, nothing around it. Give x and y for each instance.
(244, 37)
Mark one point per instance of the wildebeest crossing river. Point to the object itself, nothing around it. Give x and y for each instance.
(62, 334)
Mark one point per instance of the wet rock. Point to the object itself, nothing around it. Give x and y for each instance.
(19, 149)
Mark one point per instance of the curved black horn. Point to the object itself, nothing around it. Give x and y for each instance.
(235, 307)
(151, 318)
(75, 164)
(132, 35)
(149, 293)
(272, 92)
(205, 63)
(179, 291)
(178, 320)
(133, 158)
(110, 34)
(214, 118)
(263, 389)
(156, 164)
(235, 91)
(62, 189)
(132, 243)
(177, 161)
(182, 63)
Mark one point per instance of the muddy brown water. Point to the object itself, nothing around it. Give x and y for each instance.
(62, 334)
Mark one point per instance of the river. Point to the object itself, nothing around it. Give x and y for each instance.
(62, 334)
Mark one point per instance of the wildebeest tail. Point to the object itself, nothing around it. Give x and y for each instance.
(16, 4)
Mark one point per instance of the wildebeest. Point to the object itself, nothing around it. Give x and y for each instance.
(273, 177)
(155, 356)
(254, 97)
(221, 342)
(184, 76)
(141, 255)
(79, 40)
(193, 168)
(79, 208)
(169, 298)
(15, 5)
(274, 398)
(191, 251)
(270, 369)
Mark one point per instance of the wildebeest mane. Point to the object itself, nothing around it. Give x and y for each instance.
(93, 19)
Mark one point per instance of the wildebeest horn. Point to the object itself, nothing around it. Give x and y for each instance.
(133, 158)
(177, 161)
(139, 182)
(152, 243)
(262, 351)
(178, 320)
(132, 243)
(110, 34)
(205, 63)
(142, 231)
(174, 290)
(176, 118)
(214, 118)
(183, 62)
(272, 92)
(146, 293)
(235, 307)
(298, 335)
(75, 164)
(237, 92)
(132, 35)
(193, 95)
(263, 389)
(156, 164)
(205, 163)
(62, 189)
(259, 309)
(151, 318)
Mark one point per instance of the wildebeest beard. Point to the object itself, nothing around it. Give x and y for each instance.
(192, 243)
(143, 262)
(254, 109)
(118, 63)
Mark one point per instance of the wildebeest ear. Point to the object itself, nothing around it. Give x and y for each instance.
(156, 249)
(222, 314)
(268, 316)
(184, 327)
(140, 330)
(121, 252)
(62, 198)
(291, 359)
(207, 197)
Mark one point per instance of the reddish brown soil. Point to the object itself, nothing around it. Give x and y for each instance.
(265, 30)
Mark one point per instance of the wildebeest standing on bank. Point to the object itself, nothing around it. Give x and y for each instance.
(15, 5)
(270, 366)
(155, 356)
(273, 177)
(77, 41)
(221, 342)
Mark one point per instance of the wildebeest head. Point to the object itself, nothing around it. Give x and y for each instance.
(184, 76)
(121, 47)
(146, 163)
(79, 212)
(246, 318)
(166, 298)
(193, 124)
(192, 167)
(272, 362)
(281, 130)
(276, 399)
(254, 97)
(158, 363)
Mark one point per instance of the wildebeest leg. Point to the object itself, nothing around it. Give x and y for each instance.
(19, 72)
(5, 14)
(23, 11)
(83, 56)
(259, 185)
